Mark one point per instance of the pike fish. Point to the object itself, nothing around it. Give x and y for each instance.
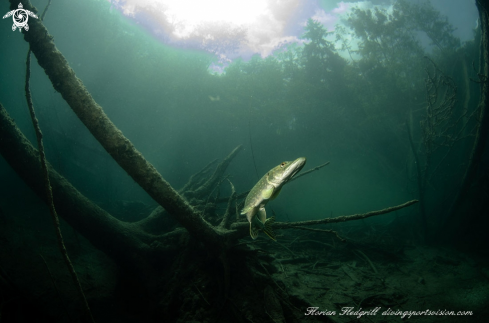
(268, 188)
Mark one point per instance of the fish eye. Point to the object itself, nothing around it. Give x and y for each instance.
(283, 164)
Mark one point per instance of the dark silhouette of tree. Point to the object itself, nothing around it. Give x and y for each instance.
(321, 61)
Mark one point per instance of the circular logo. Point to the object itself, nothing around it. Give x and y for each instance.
(20, 18)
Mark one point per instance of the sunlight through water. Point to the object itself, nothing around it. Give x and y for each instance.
(230, 29)
(187, 15)
(222, 27)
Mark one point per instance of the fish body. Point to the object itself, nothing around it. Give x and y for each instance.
(268, 188)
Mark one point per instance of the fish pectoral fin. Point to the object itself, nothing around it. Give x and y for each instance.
(262, 214)
(254, 230)
(275, 194)
(267, 193)
(267, 228)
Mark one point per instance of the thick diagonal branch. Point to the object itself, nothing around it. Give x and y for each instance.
(117, 239)
(110, 137)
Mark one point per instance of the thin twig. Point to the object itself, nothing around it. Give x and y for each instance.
(314, 266)
(226, 220)
(45, 10)
(368, 260)
(270, 276)
(309, 171)
(343, 218)
(283, 269)
(48, 190)
(55, 286)
(293, 254)
(198, 290)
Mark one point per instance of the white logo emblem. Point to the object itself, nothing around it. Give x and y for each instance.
(20, 17)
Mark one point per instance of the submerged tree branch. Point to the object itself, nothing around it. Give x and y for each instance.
(343, 218)
(117, 239)
(93, 221)
(133, 245)
(110, 137)
(47, 185)
(231, 209)
(309, 171)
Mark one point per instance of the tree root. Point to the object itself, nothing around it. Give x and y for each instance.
(230, 210)
(198, 178)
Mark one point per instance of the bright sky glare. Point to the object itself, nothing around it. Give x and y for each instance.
(192, 13)
(241, 28)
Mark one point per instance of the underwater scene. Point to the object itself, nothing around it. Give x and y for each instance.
(244, 161)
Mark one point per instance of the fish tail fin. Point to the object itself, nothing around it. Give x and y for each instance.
(267, 228)
(254, 230)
